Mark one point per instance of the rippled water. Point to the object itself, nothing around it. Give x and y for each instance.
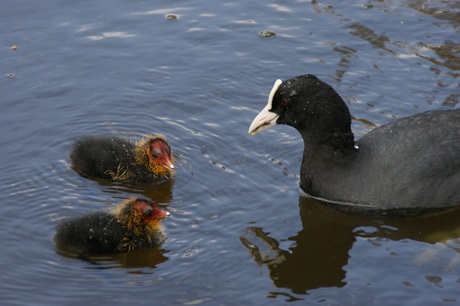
(238, 233)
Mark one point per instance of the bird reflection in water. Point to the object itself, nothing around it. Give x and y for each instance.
(319, 253)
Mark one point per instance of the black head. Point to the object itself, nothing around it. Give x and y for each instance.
(305, 103)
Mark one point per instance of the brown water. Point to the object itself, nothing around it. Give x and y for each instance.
(238, 233)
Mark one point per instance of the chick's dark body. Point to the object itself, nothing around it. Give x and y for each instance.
(111, 158)
(133, 224)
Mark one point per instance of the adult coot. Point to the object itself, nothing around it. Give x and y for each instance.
(148, 161)
(410, 163)
(133, 224)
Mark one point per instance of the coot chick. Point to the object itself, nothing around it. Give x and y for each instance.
(410, 163)
(148, 161)
(133, 224)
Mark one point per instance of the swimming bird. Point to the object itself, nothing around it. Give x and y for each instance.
(148, 161)
(135, 223)
(410, 163)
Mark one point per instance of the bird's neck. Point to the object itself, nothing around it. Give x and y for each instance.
(324, 155)
(337, 145)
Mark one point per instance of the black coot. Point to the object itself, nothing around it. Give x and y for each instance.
(410, 163)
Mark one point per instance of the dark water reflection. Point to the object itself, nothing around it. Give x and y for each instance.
(161, 193)
(320, 252)
(148, 258)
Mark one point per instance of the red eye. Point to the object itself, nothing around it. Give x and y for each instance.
(284, 102)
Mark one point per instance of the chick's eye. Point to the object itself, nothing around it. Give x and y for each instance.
(147, 211)
(284, 102)
(156, 153)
